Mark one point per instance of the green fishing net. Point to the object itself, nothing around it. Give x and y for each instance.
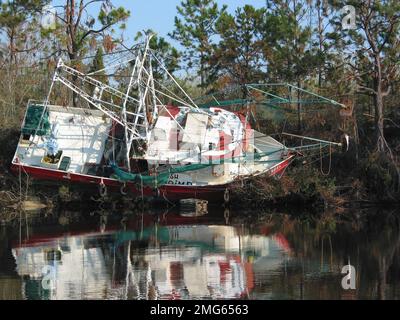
(33, 122)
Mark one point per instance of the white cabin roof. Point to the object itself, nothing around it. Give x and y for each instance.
(81, 135)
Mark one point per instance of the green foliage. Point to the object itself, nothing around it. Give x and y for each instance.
(374, 51)
(287, 39)
(380, 177)
(194, 30)
(98, 65)
(239, 52)
(299, 184)
(17, 21)
(75, 28)
(114, 16)
(96, 70)
(13, 13)
(312, 183)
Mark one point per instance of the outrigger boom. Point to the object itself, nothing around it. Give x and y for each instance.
(148, 137)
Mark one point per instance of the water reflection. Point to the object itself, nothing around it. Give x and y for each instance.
(148, 259)
(179, 256)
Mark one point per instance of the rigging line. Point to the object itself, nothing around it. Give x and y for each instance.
(114, 63)
(168, 96)
(284, 169)
(85, 78)
(268, 93)
(283, 128)
(110, 53)
(184, 103)
(221, 161)
(177, 98)
(315, 151)
(20, 184)
(82, 124)
(309, 138)
(110, 104)
(173, 79)
(138, 67)
(128, 141)
(277, 134)
(27, 180)
(152, 89)
(317, 159)
(164, 56)
(85, 96)
(163, 86)
(220, 93)
(20, 205)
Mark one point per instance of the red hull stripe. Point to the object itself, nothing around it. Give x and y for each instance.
(171, 192)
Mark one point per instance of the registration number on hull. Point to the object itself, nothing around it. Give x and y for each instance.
(180, 179)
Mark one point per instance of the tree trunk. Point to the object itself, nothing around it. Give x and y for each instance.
(299, 110)
(74, 80)
(202, 77)
(382, 279)
(72, 47)
(320, 40)
(380, 137)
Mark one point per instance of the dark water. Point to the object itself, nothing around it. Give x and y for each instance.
(175, 255)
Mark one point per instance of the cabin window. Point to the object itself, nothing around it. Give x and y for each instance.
(53, 255)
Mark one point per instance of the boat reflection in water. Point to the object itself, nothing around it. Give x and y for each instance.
(149, 257)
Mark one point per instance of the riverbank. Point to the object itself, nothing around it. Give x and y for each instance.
(305, 185)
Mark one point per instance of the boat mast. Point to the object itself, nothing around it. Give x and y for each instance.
(136, 108)
(135, 79)
(153, 92)
(128, 135)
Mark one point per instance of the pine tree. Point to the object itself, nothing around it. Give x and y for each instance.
(286, 41)
(374, 47)
(75, 28)
(14, 16)
(239, 52)
(98, 65)
(287, 49)
(194, 30)
(19, 30)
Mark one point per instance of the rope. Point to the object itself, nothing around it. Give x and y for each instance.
(279, 176)
(330, 160)
(20, 183)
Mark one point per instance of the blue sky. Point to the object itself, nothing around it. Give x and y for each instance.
(157, 15)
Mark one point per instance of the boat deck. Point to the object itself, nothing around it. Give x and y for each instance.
(81, 135)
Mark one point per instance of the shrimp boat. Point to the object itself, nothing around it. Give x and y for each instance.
(144, 135)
